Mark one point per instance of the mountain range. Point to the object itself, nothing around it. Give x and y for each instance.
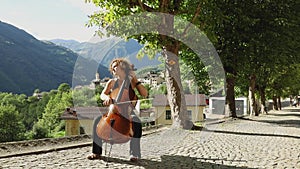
(104, 51)
(28, 63)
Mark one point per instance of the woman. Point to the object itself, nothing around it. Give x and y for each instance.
(121, 69)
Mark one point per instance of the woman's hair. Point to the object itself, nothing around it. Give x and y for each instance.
(124, 63)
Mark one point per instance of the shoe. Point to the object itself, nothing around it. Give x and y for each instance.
(133, 158)
(94, 157)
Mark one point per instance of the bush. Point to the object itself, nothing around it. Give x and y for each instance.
(12, 129)
(39, 131)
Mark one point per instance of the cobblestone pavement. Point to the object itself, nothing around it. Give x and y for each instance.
(266, 141)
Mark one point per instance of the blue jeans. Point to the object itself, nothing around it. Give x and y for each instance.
(135, 147)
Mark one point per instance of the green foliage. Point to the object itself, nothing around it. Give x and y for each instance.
(39, 131)
(58, 134)
(257, 38)
(193, 70)
(285, 83)
(64, 87)
(87, 97)
(25, 107)
(145, 104)
(35, 117)
(37, 91)
(53, 110)
(12, 128)
(13, 99)
(59, 130)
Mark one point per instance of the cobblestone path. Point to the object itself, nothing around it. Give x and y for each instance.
(266, 141)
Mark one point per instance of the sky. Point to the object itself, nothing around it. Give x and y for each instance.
(50, 19)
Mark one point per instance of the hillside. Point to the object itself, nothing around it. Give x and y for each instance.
(28, 64)
(104, 51)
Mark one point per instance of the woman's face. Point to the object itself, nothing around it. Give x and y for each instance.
(116, 68)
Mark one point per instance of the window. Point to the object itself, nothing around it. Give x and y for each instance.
(168, 114)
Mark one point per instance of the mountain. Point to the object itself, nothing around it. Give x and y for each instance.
(70, 44)
(104, 51)
(28, 64)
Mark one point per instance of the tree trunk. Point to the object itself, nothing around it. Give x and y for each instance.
(252, 95)
(275, 106)
(279, 103)
(230, 98)
(176, 96)
(262, 94)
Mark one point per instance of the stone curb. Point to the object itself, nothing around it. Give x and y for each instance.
(146, 132)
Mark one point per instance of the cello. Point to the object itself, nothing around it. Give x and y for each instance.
(115, 126)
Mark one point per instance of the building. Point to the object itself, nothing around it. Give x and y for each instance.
(217, 106)
(153, 79)
(195, 106)
(80, 120)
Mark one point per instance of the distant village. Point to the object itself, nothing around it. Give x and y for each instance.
(152, 78)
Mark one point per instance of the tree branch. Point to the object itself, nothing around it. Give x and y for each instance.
(197, 12)
(163, 5)
(139, 3)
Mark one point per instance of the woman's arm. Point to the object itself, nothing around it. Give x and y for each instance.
(141, 89)
(138, 85)
(105, 93)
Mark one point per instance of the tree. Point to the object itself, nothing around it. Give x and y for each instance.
(12, 129)
(30, 115)
(271, 42)
(195, 71)
(87, 97)
(255, 39)
(39, 131)
(64, 87)
(162, 33)
(53, 110)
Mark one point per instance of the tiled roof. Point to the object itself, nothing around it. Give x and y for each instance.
(191, 100)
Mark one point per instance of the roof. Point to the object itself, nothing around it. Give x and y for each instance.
(83, 113)
(218, 93)
(190, 99)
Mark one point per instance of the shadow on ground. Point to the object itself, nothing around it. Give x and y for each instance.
(284, 123)
(290, 113)
(290, 110)
(176, 161)
(251, 134)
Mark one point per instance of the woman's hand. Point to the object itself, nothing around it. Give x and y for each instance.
(136, 84)
(133, 77)
(107, 102)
